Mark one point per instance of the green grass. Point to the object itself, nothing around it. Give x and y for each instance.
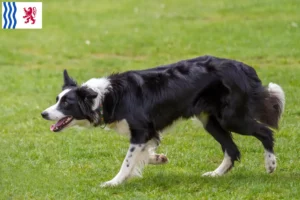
(124, 35)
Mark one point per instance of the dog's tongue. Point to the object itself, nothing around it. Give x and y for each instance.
(52, 127)
(58, 124)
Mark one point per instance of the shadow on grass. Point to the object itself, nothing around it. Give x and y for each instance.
(172, 181)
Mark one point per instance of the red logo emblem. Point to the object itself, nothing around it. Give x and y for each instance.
(30, 14)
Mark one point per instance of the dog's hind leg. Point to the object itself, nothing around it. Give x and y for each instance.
(231, 152)
(263, 134)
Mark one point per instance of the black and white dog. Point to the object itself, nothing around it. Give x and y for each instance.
(225, 95)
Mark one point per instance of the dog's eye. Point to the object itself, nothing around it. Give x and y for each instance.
(65, 103)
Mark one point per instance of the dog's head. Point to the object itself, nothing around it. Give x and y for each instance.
(74, 106)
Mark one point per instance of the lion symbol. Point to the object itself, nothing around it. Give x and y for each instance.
(30, 14)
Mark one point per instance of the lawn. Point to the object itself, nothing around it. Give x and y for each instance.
(96, 38)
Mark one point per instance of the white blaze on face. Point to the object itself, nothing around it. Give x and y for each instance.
(53, 112)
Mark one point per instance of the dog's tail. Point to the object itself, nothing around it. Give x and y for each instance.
(273, 105)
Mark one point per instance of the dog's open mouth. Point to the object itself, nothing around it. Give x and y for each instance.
(61, 124)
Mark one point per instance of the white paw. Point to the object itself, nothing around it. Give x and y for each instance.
(211, 174)
(111, 183)
(270, 162)
(158, 159)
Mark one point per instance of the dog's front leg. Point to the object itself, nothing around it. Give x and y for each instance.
(137, 155)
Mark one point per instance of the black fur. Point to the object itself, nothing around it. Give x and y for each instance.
(227, 91)
(68, 82)
(230, 92)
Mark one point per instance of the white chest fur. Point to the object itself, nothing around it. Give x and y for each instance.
(121, 127)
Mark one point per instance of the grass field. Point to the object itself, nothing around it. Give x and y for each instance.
(132, 34)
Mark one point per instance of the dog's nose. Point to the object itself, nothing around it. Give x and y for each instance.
(45, 115)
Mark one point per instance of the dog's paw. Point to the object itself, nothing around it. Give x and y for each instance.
(270, 162)
(211, 174)
(158, 159)
(111, 183)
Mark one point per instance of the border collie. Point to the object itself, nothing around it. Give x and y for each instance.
(225, 95)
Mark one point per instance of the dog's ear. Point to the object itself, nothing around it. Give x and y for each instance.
(86, 93)
(68, 82)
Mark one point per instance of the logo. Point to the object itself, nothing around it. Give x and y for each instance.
(30, 14)
(21, 15)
